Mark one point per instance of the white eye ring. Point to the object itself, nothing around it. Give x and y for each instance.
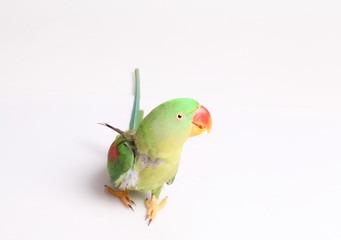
(179, 116)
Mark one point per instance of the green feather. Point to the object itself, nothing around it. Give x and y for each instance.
(135, 115)
(122, 163)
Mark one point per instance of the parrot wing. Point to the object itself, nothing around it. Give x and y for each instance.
(120, 159)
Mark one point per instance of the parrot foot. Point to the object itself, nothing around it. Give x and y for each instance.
(123, 195)
(153, 207)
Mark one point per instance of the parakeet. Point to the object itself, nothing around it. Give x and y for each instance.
(147, 156)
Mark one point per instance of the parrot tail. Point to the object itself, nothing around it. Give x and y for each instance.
(113, 128)
(136, 114)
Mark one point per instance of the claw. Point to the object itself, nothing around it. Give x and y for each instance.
(153, 207)
(123, 195)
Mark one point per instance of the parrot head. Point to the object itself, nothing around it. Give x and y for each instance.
(173, 122)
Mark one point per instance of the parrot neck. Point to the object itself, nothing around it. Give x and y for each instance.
(158, 146)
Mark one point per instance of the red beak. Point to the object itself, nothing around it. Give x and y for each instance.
(201, 121)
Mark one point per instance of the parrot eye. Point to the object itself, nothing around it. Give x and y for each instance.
(179, 116)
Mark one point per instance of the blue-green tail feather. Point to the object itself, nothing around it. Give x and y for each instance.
(136, 114)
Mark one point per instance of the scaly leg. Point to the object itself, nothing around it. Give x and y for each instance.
(153, 207)
(121, 194)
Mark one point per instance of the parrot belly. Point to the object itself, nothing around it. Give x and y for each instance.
(155, 175)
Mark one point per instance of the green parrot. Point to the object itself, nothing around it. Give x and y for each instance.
(147, 156)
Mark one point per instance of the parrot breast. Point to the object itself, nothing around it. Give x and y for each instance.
(129, 179)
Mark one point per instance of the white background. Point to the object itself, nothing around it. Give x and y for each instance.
(269, 72)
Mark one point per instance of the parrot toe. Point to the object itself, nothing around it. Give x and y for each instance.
(153, 207)
(123, 195)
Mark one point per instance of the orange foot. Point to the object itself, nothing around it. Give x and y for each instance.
(153, 207)
(121, 194)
